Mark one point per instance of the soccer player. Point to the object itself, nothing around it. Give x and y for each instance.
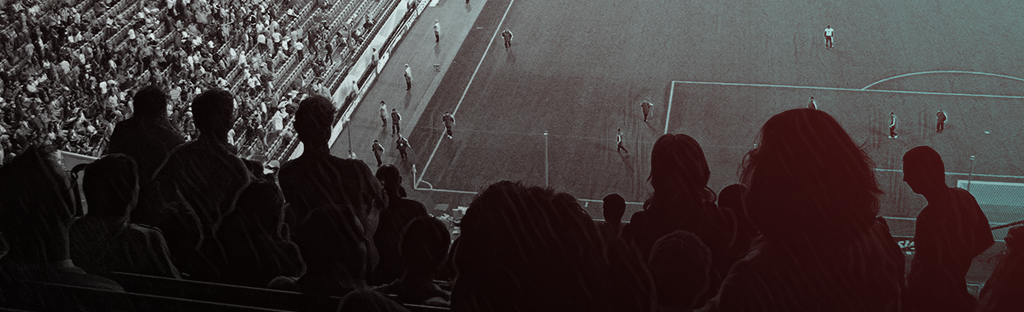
(449, 122)
(812, 104)
(377, 151)
(892, 125)
(402, 146)
(618, 140)
(408, 78)
(828, 36)
(941, 116)
(437, 31)
(646, 106)
(507, 34)
(395, 118)
(384, 114)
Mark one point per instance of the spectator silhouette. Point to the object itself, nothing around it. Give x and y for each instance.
(731, 198)
(365, 300)
(336, 251)
(633, 284)
(424, 247)
(200, 179)
(813, 197)
(681, 266)
(1002, 292)
(682, 201)
(393, 219)
(103, 240)
(317, 179)
(36, 211)
(148, 136)
(951, 231)
(613, 209)
(250, 248)
(528, 249)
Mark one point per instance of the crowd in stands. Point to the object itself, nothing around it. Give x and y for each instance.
(800, 233)
(68, 68)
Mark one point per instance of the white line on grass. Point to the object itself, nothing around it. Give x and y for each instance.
(668, 111)
(848, 89)
(496, 30)
(941, 72)
(963, 174)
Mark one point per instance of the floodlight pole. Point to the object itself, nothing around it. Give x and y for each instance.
(546, 158)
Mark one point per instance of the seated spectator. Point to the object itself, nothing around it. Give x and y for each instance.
(398, 213)
(613, 209)
(365, 300)
(199, 182)
(528, 249)
(36, 211)
(249, 248)
(335, 249)
(104, 241)
(681, 266)
(814, 198)
(424, 246)
(633, 285)
(731, 198)
(1003, 288)
(682, 201)
(951, 231)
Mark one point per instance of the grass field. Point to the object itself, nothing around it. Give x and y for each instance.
(579, 71)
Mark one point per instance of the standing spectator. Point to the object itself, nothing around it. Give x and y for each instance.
(199, 181)
(941, 121)
(682, 201)
(892, 125)
(402, 146)
(395, 118)
(148, 137)
(334, 201)
(618, 142)
(951, 231)
(828, 37)
(378, 150)
(103, 240)
(646, 106)
(449, 122)
(437, 31)
(408, 78)
(507, 35)
(814, 197)
(812, 104)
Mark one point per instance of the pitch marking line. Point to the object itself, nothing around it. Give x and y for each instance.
(846, 89)
(496, 30)
(942, 72)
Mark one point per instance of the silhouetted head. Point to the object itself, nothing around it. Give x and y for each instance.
(614, 207)
(213, 112)
(424, 245)
(36, 207)
(389, 176)
(262, 203)
(313, 120)
(150, 101)
(334, 246)
(808, 179)
(923, 170)
(681, 265)
(111, 186)
(678, 168)
(527, 248)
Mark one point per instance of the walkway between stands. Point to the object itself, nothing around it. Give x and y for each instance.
(419, 50)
